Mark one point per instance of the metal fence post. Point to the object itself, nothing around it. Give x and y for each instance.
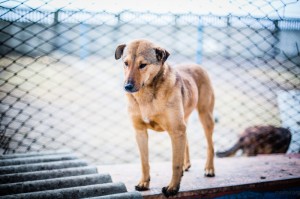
(199, 41)
(55, 29)
(276, 35)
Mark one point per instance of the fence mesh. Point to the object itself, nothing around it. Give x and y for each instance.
(60, 86)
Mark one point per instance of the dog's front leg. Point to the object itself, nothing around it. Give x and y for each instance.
(178, 139)
(142, 141)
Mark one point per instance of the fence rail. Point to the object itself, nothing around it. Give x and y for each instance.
(107, 18)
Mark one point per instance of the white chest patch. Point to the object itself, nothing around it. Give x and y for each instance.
(146, 120)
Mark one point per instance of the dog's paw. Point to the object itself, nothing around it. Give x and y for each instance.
(209, 172)
(168, 191)
(186, 167)
(143, 186)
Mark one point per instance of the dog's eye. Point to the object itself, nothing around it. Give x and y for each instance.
(126, 63)
(143, 66)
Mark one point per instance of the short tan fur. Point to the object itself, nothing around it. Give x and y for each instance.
(161, 97)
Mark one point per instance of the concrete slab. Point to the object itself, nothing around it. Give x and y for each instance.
(233, 175)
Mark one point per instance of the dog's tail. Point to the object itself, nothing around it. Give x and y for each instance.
(229, 152)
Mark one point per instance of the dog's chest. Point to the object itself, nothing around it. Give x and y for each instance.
(148, 112)
(151, 116)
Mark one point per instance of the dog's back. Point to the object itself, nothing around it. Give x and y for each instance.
(261, 140)
(195, 79)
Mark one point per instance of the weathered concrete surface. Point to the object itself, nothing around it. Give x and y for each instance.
(128, 195)
(265, 172)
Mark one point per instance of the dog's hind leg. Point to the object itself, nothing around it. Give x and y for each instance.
(205, 111)
(208, 125)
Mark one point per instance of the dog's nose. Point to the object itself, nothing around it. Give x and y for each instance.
(129, 87)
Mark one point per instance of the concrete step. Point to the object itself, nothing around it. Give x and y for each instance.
(73, 192)
(32, 154)
(42, 166)
(37, 159)
(56, 175)
(55, 183)
(48, 174)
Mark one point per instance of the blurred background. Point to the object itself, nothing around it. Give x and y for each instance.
(61, 88)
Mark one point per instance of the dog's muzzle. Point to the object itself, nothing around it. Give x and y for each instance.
(129, 87)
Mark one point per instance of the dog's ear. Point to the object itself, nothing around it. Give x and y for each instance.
(119, 51)
(161, 54)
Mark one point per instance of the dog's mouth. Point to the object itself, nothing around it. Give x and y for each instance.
(131, 91)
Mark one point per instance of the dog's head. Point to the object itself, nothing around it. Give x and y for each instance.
(142, 61)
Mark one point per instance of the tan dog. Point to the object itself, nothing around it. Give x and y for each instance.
(162, 98)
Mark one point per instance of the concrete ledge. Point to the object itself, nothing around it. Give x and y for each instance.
(128, 195)
(233, 175)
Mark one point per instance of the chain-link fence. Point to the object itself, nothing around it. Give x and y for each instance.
(62, 88)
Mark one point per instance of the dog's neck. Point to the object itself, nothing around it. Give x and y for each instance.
(159, 77)
(150, 91)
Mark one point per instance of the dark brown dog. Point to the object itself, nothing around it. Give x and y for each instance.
(260, 140)
(162, 98)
